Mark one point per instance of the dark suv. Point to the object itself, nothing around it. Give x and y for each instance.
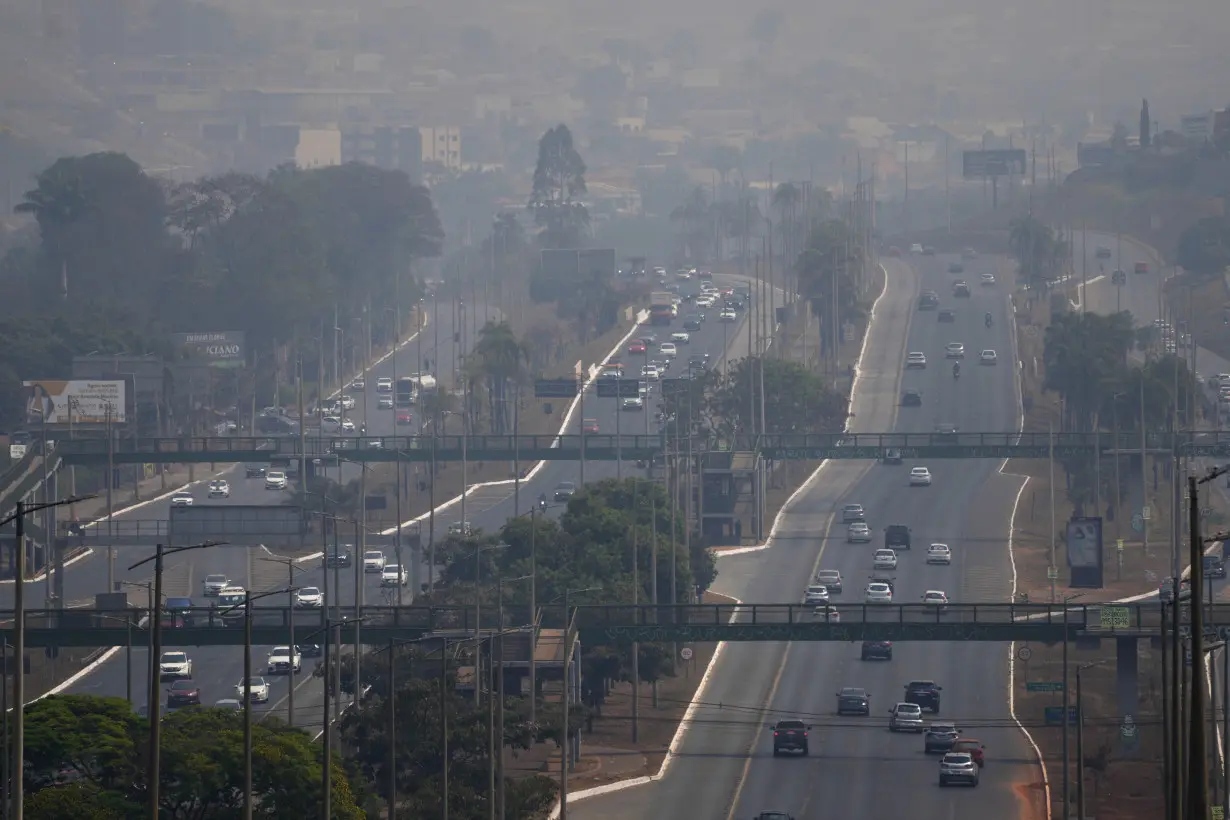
(790, 736)
(940, 737)
(853, 701)
(880, 650)
(925, 693)
(897, 537)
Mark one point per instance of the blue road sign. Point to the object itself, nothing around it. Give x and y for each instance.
(1053, 715)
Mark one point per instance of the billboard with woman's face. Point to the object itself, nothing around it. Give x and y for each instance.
(82, 401)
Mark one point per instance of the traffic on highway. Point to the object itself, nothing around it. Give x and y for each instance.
(206, 575)
(898, 531)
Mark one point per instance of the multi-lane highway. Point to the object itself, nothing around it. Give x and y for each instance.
(217, 669)
(857, 768)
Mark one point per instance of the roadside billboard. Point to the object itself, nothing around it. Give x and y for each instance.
(82, 401)
(1000, 162)
(223, 348)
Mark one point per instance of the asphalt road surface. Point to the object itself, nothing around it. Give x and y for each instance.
(218, 669)
(857, 768)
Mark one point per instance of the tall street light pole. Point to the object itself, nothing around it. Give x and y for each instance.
(565, 750)
(247, 688)
(497, 752)
(326, 770)
(289, 563)
(155, 727)
(19, 641)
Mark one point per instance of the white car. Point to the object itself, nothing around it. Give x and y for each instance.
(634, 403)
(916, 361)
(920, 477)
(255, 689)
(858, 533)
(373, 561)
(384, 403)
(174, 666)
(275, 480)
(681, 337)
(728, 315)
(347, 402)
(988, 357)
(936, 598)
(884, 559)
(916, 248)
(347, 426)
(831, 578)
(939, 554)
(878, 593)
(816, 594)
(954, 350)
(853, 512)
(650, 372)
(987, 279)
(384, 384)
(705, 301)
(826, 613)
(213, 585)
(281, 661)
(183, 498)
(219, 489)
(358, 384)
(309, 598)
(668, 350)
(330, 424)
(393, 575)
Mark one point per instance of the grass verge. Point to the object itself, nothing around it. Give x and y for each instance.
(1120, 782)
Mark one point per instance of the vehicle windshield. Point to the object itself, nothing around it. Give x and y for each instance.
(215, 579)
(183, 685)
(174, 657)
(309, 591)
(828, 573)
(373, 554)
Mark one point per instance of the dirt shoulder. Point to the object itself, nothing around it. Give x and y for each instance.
(1120, 782)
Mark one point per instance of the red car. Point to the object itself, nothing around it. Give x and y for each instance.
(404, 419)
(590, 425)
(636, 346)
(972, 747)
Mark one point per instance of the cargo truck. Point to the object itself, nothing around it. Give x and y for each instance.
(661, 308)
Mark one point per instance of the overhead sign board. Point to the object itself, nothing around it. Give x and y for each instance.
(1000, 162)
(83, 401)
(223, 348)
(555, 388)
(620, 388)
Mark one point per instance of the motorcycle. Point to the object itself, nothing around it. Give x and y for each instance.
(989, 322)
(956, 371)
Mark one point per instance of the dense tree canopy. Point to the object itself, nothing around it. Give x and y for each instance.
(123, 259)
(559, 185)
(1204, 248)
(418, 739)
(1040, 254)
(86, 757)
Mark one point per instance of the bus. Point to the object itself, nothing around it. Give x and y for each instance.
(406, 391)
